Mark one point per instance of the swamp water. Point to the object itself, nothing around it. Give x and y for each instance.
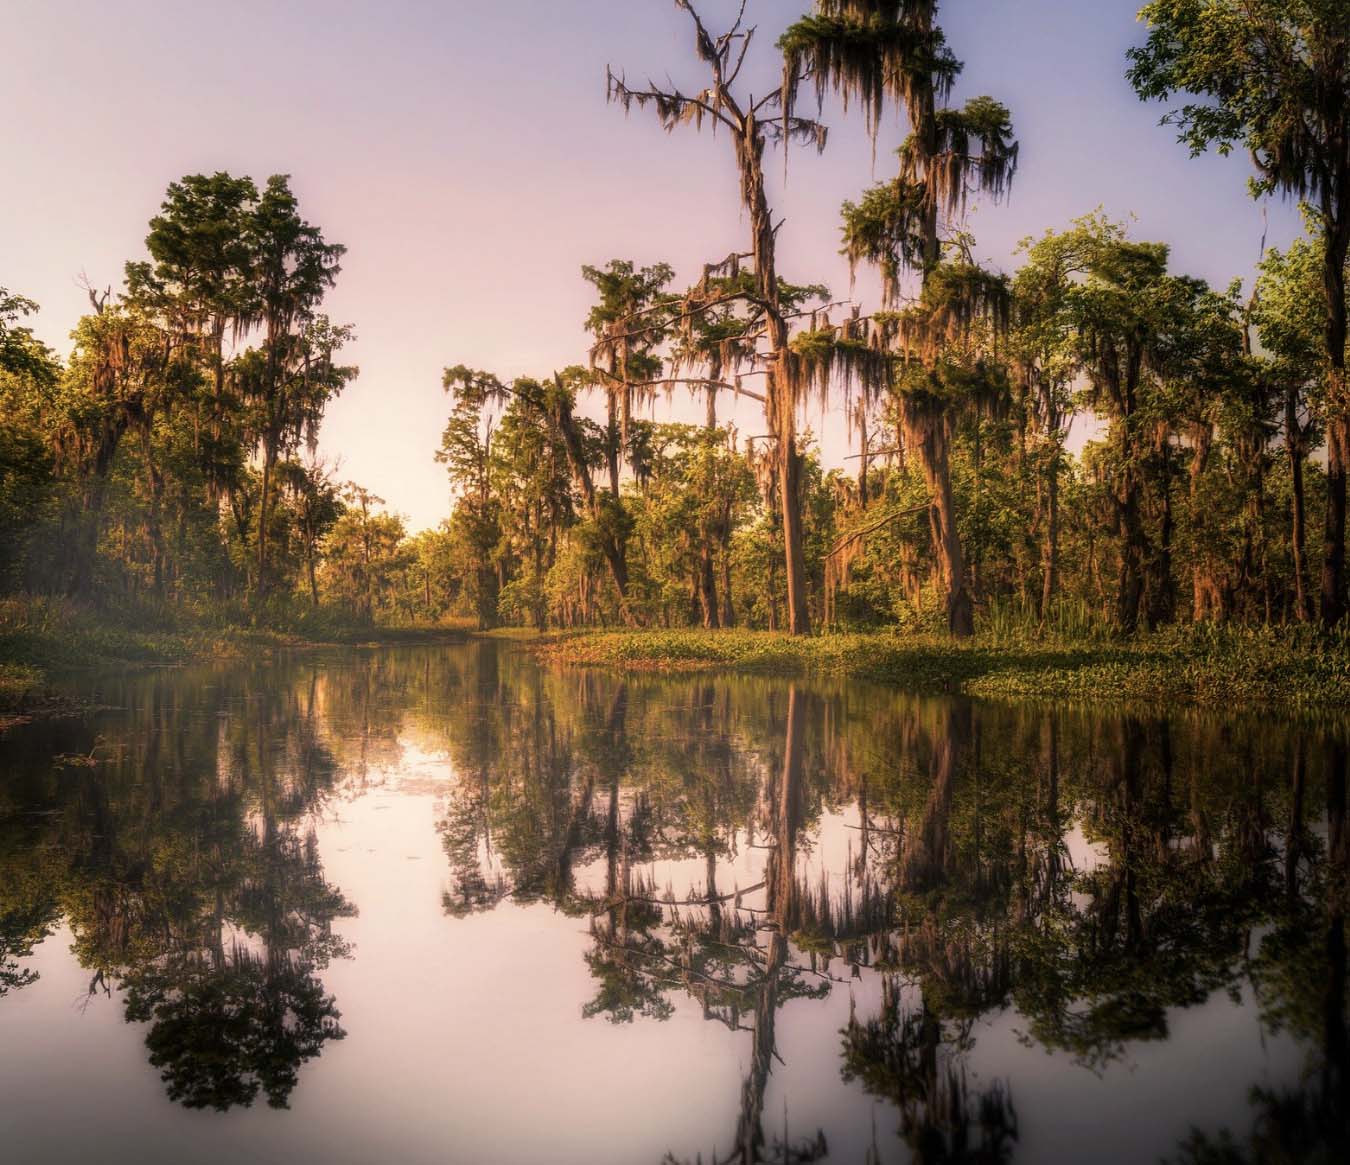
(442, 905)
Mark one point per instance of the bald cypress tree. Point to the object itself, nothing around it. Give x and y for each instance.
(289, 378)
(878, 54)
(750, 124)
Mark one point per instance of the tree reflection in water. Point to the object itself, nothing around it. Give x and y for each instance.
(179, 861)
(740, 847)
(1094, 873)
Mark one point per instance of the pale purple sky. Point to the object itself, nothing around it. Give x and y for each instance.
(465, 155)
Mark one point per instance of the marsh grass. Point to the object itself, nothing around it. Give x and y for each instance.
(1202, 664)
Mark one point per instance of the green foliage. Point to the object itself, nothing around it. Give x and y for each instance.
(1274, 77)
(169, 462)
(1015, 659)
(161, 465)
(362, 554)
(28, 377)
(1261, 69)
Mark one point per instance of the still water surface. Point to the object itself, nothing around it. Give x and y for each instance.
(440, 905)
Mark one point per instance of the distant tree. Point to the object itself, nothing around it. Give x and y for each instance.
(1152, 346)
(533, 480)
(622, 355)
(20, 353)
(198, 277)
(29, 373)
(433, 574)
(315, 502)
(362, 552)
(466, 451)
(696, 489)
(1289, 320)
(122, 374)
(287, 381)
(1045, 366)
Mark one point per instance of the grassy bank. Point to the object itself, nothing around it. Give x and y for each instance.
(1289, 667)
(1206, 665)
(41, 637)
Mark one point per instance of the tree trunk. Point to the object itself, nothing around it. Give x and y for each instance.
(1201, 581)
(1050, 555)
(933, 451)
(1333, 549)
(864, 459)
(1338, 414)
(612, 444)
(1162, 591)
(781, 394)
(154, 481)
(1293, 443)
(976, 510)
(89, 524)
(1253, 579)
(926, 428)
(488, 590)
(264, 499)
(618, 573)
(1134, 554)
(611, 544)
(789, 481)
(724, 542)
(707, 588)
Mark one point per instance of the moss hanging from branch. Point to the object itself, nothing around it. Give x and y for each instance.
(957, 299)
(866, 56)
(826, 355)
(851, 547)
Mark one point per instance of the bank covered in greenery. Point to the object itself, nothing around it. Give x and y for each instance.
(1200, 666)
(167, 461)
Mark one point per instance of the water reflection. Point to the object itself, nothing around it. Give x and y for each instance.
(171, 849)
(1098, 874)
(746, 851)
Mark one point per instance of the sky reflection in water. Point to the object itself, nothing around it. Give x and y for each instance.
(439, 905)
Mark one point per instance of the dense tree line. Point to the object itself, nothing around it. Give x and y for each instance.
(171, 457)
(1206, 408)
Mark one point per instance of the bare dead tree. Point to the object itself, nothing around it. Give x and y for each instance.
(751, 125)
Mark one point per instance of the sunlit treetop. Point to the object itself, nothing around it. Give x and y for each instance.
(20, 352)
(868, 53)
(1271, 78)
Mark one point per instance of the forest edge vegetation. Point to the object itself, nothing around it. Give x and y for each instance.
(164, 475)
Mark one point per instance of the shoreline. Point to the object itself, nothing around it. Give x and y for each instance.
(1289, 668)
(34, 656)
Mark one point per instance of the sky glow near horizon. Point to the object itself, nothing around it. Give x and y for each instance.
(464, 154)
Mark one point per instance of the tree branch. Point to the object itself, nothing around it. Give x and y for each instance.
(852, 536)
